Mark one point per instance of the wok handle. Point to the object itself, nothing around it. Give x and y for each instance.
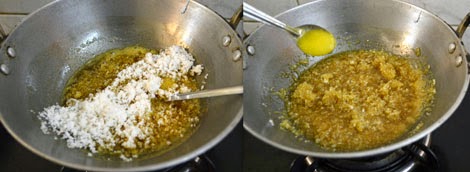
(463, 26)
(3, 35)
(460, 31)
(235, 20)
(258, 15)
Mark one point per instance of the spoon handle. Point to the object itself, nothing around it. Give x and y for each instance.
(208, 93)
(258, 15)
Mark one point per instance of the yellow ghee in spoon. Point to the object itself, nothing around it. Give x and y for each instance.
(317, 42)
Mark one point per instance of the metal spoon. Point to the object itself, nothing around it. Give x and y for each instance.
(208, 93)
(258, 15)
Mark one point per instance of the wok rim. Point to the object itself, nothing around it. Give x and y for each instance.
(386, 148)
(156, 166)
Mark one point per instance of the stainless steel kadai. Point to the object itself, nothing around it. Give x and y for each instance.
(393, 25)
(40, 55)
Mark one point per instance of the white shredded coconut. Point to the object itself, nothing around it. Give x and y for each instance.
(204, 81)
(125, 158)
(118, 110)
(196, 70)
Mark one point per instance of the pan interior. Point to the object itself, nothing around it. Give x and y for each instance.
(392, 26)
(55, 41)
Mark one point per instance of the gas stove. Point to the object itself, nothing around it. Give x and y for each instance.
(443, 150)
(198, 164)
(14, 157)
(415, 157)
(242, 152)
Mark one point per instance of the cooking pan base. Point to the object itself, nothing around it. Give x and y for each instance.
(415, 157)
(200, 163)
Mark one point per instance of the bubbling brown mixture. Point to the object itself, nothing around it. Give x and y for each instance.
(359, 100)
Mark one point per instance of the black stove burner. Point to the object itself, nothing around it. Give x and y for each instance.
(199, 164)
(415, 157)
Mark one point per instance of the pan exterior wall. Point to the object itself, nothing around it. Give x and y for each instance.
(452, 12)
(13, 11)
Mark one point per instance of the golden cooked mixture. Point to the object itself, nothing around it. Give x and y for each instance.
(101, 71)
(358, 100)
(171, 122)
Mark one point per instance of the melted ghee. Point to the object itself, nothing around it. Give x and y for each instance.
(317, 42)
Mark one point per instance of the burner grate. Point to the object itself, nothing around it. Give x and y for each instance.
(199, 164)
(415, 157)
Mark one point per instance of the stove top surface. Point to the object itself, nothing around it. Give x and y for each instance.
(448, 142)
(242, 152)
(14, 157)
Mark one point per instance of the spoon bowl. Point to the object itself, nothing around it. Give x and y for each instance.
(315, 40)
(311, 39)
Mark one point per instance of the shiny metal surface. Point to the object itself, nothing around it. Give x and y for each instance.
(298, 32)
(226, 40)
(4, 69)
(3, 35)
(463, 26)
(258, 15)
(250, 50)
(11, 52)
(208, 93)
(394, 26)
(237, 55)
(56, 40)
